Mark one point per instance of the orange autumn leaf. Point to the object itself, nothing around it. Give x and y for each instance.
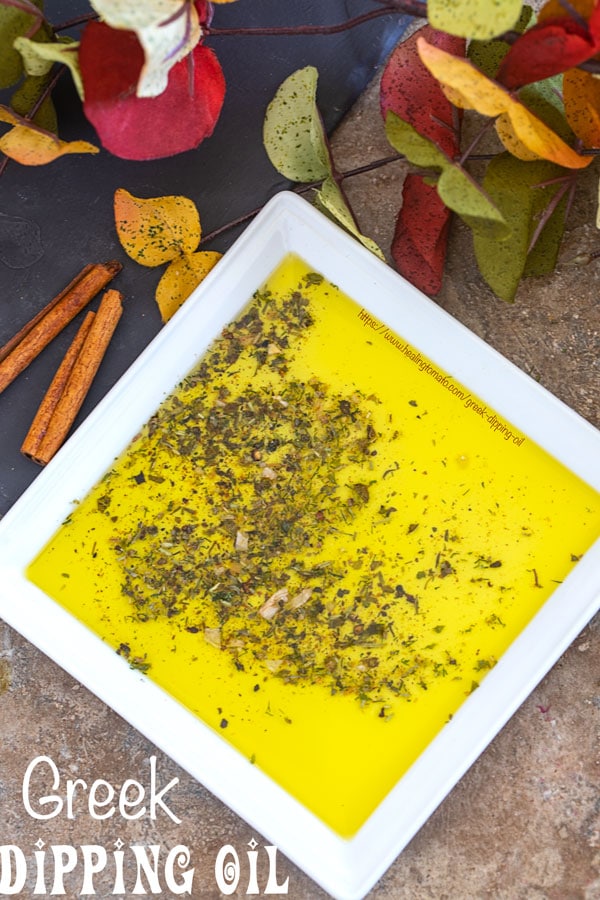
(180, 279)
(156, 230)
(164, 230)
(30, 145)
(521, 132)
(581, 94)
(554, 9)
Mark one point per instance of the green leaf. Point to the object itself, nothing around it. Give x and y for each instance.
(511, 183)
(417, 149)
(13, 23)
(38, 58)
(455, 186)
(487, 55)
(26, 96)
(330, 200)
(543, 256)
(293, 132)
(465, 197)
(474, 18)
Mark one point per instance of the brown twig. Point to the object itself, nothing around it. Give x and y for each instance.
(303, 30)
(73, 23)
(37, 105)
(300, 189)
(478, 137)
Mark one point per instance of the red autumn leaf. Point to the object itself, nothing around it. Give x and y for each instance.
(410, 91)
(421, 236)
(549, 48)
(140, 127)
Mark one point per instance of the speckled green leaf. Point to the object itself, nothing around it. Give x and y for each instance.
(455, 186)
(511, 183)
(487, 55)
(464, 196)
(542, 259)
(13, 24)
(331, 201)
(418, 149)
(38, 57)
(481, 19)
(26, 96)
(293, 132)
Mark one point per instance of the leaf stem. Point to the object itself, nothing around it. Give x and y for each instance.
(547, 214)
(480, 134)
(292, 30)
(370, 167)
(573, 13)
(43, 96)
(78, 20)
(60, 71)
(338, 176)
(301, 189)
(571, 196)
(417, 8)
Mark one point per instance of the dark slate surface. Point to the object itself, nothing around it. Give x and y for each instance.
(66, 208)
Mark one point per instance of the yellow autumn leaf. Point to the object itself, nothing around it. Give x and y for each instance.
(521, 132)
(581, 95)
(32, 146)
(156, 230)
(180, 279)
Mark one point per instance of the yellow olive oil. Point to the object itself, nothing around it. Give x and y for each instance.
(320, 544)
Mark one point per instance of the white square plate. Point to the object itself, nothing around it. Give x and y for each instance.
(346, 868)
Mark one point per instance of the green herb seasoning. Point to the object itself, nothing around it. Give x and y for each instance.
(320, 544)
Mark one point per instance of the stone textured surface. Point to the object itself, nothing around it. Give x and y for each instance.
(524, 823)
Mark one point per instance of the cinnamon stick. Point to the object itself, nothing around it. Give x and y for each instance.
(48, 432)
(39, 426)
(28, 343)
